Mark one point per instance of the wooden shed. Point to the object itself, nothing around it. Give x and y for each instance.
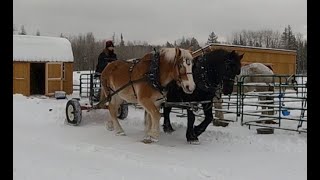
(42, 65)
(279, 60)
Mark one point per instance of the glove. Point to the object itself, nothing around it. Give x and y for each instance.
(96, 74)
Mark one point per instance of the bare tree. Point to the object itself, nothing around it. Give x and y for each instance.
(14, 29)
(260, 38)
(23, 31)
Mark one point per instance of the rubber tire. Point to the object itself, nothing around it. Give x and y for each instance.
(123, 111)
(73, 112)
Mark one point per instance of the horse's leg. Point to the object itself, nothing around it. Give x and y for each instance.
(147, 122)
(154, 132)
(271, 109)
(263, 113)
(217, 102)
(113, 109)
(207, 109)
(167, 128)
(190, 134)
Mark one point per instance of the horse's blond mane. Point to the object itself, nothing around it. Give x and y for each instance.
(170, 53)
(186, 53)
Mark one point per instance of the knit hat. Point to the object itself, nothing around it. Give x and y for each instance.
(109, 44)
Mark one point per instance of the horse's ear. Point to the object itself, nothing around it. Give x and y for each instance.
(233, 52)
(241, 56)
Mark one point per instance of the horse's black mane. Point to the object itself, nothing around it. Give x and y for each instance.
(208, 72)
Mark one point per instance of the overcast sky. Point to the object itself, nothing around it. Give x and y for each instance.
(158, 21)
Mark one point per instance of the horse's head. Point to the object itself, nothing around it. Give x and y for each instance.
(183, 63)
(232, 68)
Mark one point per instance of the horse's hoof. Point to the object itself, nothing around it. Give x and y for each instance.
(194, 142)
(110, 128)
(168, 129)
(149, 140)
(170, 132)
(120, 134)
(198, 131)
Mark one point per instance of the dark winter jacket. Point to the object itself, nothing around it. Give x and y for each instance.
(103, 61)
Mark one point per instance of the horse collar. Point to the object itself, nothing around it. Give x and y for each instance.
(154, 72)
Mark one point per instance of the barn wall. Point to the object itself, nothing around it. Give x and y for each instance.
(21, 78)
(68, 78)
(282, 62)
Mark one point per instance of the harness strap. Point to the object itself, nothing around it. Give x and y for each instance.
(131, 82)
(118, 90)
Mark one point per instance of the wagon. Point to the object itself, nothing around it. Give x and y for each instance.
(89, 88)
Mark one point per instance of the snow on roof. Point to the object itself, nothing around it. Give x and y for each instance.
(41, 49)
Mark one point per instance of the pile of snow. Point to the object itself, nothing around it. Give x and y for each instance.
(41, 49)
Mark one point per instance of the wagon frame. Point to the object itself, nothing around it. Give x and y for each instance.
(89, 87)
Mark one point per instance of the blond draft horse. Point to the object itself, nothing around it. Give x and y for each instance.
(174, 64)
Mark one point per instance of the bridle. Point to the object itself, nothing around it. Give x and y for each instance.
(228, 72)
(180, 65)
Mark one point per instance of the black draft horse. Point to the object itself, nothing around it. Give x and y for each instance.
(210, 71)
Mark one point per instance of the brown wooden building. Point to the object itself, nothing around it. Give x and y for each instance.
(42, 65)
(279, 60)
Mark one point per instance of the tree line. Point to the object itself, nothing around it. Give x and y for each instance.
(86, 48)
(273, 39)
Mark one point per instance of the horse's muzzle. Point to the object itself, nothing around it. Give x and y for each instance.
(188, 87)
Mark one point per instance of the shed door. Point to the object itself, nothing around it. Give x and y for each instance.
(54, 81)
(21, 81)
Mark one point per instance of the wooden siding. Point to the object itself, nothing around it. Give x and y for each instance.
(68, 78)
(21, 78)
(53, 77)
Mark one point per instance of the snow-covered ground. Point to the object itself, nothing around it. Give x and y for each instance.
(45, 147)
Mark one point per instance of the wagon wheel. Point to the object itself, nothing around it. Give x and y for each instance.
(73, 112)
(123, 111)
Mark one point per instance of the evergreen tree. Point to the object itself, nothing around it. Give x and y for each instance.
(113, 38)
(194, 44)
(121, 40)
(288, 40)
(169, 45)
(213, 38)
